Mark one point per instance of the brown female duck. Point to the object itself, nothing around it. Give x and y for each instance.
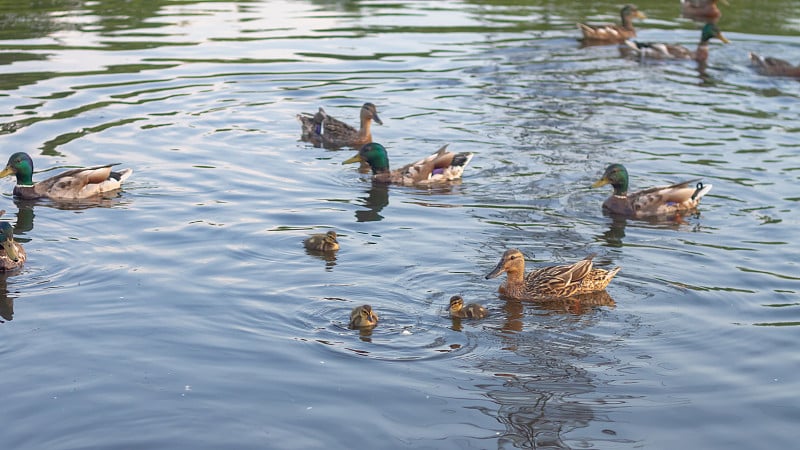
(73, 184)
(324, 242)
(551, 281)
(702, 10)
(363, 317)
(657, 201)
(441, 166)
(775, 67)
(470, 311)
(322, 129)
(612, 33)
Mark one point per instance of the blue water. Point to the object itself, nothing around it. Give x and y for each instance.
(184, 312)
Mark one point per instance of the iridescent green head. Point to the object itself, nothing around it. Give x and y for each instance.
(21, 165)
(7, 241)
(711, 30)
(616, 176)
(373, 154)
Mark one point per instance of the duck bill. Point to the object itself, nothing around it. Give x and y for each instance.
(7, 171)
(497, 270)
(354, 159)
(11, 250)
(600, 182)
(723, 38)
(377, 119)
(640, 15)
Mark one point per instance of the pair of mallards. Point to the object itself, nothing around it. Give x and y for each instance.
(322, 129)
(657, 50)
(75, 184)
(322, 242)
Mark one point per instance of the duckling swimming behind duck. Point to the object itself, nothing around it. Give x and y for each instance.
(363, 317)
(322, 242)
(13, 255)
(470, 311)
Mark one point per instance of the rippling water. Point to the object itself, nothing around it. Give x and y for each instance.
(185, 313)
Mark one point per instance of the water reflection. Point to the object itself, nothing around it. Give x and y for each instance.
(6, 301)
(328, 256)
(542, 381)
(376, 199)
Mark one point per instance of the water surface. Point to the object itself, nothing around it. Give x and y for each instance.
(184, 312)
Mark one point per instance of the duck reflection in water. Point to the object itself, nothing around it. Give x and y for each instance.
(6, 301)
(377, 198)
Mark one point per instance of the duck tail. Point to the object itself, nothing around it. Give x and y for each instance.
(700, 190)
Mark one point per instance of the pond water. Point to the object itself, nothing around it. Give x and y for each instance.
(184, 312)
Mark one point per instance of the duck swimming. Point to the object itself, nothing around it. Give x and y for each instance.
(325, 242)
(73, 184)
(663, 200)
(613, 33)
(656, 50)
(551, 281)
(13, 255)
(439, 167)
(363, 317)
(322, 129)
(470, 311)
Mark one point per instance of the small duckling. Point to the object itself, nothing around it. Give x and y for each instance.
(471, 311)
(322, 242)
(13, 255)
(363, 317)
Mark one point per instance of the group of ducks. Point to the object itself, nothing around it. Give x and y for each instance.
(702, 10)
(75, 184)
(443, 166)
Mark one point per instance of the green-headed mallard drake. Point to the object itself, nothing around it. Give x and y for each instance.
(439, 167)
(324, 242)
(613, 33)
(657, 201)
(363, 317)
(13, 255)
(73, 184)
(774, 67)
(548, 282)
(322, 129)
(470, 311)
(703, 10)
(654, 50)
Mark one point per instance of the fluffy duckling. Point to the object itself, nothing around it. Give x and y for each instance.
(439, 167)
(320, 128)
(322, 242)
(470, 311)
(13, 255)
(73, 184)
(363, 317)
(775, 67)
(551, 281)
(613, 33)
(655, 50)
(657, 201)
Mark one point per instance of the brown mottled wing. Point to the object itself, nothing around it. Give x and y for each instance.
(559, 281)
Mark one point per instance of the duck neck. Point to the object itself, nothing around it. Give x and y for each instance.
(701, 54)
(364, 132)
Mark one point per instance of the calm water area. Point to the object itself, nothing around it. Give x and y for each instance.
(184, 312)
